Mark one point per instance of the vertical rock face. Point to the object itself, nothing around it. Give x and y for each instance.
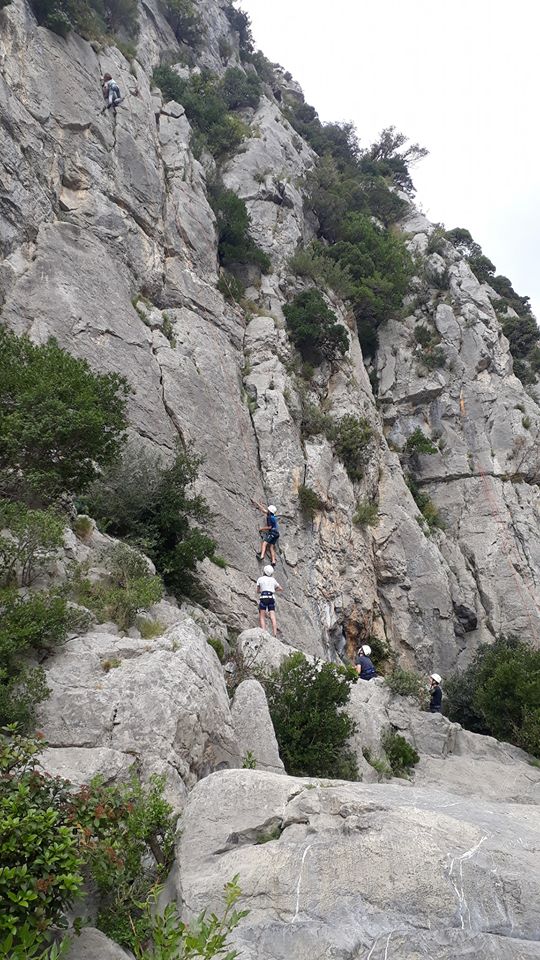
(96, 211)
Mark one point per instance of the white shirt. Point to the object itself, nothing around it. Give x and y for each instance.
(267, 584)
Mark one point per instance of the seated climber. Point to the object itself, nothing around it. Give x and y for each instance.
(270, 532)
(266, 589)
(111, 92)
(435, 694)
(364, 666)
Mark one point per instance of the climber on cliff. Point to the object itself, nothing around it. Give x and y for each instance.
(266, 591)
(111, 93)
(363, 664)
(435, 694)
(270, 532)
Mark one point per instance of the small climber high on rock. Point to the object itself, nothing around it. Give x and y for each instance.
(363, 664)
(111, 92)
(266, 590)
(270, 532)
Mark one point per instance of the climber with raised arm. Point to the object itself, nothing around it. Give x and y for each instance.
(270, 532)
(111, 92)
(363, 664)
(267, 586)
(435, 694)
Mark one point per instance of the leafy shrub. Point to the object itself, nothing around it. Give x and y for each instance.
(407, 684)
(154, 508)
(313, 420)
(230, 287)
(128, 588)
(306, 704)
(499, 693)
(312, 262)
(426, 506)
(206, 108)
(382, 766)
(424, 336)
(169, 938)
(185, 21)
(249, 762)
(402, 757)
(217, 645)
(59, 422)
(314, 328)
(39, 850)
(149, 629)
(433, 358)
(310, 502)
(241, 24)
(27, 625)
(366, 513)
(381, 651)
(351, 438)
(90, 18)
(240, 89)
(419, 443)
(29, 539)
(235, 246)
(126, 835)
(83, 527)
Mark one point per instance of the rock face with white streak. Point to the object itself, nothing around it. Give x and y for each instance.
(351, 868)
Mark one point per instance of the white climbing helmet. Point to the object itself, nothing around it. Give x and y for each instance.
(366, 650)
(435, 677)
(272, 508)
(269, 570)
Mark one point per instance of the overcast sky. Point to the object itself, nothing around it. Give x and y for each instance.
(461, 79)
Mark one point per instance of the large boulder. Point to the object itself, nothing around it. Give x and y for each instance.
(161, 704)
(329, 868)
(91, 944)
(253, 726)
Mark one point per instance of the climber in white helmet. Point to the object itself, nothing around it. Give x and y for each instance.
(266, 590)
(363, 663)
(270, 532)
(111, 92)
(435, 694)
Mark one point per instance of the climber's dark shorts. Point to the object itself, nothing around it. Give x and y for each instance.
(267, 604)
(270, 536)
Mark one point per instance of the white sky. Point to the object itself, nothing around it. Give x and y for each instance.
(459, 78)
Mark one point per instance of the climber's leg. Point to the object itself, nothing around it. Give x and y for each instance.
(262, 619)
(273, 622)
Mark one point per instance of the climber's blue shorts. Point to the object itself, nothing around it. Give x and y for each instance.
(267, 603)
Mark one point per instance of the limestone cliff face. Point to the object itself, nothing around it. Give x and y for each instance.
(96, 211)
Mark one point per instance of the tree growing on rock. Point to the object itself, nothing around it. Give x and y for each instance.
(315, 329)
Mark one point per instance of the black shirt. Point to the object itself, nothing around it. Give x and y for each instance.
(436, 699)
(368, 670)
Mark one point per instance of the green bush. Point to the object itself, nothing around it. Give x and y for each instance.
(426, 506)
(306, 703)
(28, 625)
(425, 337)
(203, 98)
(154, 508)
(128, 588)
(235, 246)
(351, 437)
(29, 539)
(59, 422)
(310, 502)
(499, 693)
(185, 21)
(92, 19)
(407, 684)
(314, 328)
(402, 757)
(241, 24)
(312, 262)
(39, 850)
(381, 652)
(433, 358)
(419, 443)
(366, 513)
(169, 938)
(240, 89)
(217, 645)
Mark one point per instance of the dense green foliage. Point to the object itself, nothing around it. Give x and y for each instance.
(407, 684)
(306, 704)
(28, 625)
(235, 246)
(154, 508)
(309, 501)
(419, 443)
(185, 21)
(91, 18)
(28, 538)
(128, 589)
(169, 938)
(401, 755)
(40, 871)
(208, 100)
(241, 24)
(59, 421)
(366, 513)
(499, 693)
(314, 328)
(314, 263)
(351, 437)
(120, 838)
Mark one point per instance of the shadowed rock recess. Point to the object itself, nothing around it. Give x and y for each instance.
(110, 245)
